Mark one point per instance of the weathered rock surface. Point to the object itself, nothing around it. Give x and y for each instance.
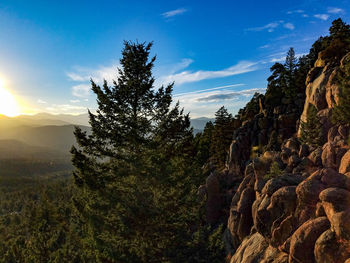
(255, 249)
(345, 163)
(303, 240)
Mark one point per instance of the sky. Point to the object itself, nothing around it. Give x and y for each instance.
(217, 52)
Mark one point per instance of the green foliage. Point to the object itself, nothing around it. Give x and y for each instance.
(221, 138)
(338, 43)
(274, 171)
(36, 223)
(341, 112)
(339, 29)
(206, 245)
(311, 130)
(276, 82)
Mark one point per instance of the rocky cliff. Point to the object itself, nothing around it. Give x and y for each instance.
(302, 213)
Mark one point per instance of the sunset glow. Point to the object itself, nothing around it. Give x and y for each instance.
(8, 103)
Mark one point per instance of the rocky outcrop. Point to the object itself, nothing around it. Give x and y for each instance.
(303, 213)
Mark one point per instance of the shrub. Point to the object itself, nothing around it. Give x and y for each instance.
(274, 171)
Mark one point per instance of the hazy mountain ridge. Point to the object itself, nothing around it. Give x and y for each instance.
(51, 132)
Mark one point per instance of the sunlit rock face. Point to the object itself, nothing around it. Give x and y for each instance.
(303, 214)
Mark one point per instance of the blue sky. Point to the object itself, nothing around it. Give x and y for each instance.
(217, 52)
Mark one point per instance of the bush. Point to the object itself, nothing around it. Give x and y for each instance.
(274, 171)
(311, 130)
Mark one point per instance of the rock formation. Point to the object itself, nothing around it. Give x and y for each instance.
(302, 215)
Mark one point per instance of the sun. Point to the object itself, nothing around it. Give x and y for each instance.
(8, 103)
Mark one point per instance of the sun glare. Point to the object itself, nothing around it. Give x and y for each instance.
(8, 103)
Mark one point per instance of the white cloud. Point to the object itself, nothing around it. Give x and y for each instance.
(272, 26)
(211, 89)
(74, 101)
(189, 76)
(335, 10)
(81, 90)
(175, 12)
(323, 17)
(289, 26)
(41, 101)
(230, 95)
(265, 46)
(207, 102)
(269, 27)
(82, 74)
(299, 11)
(283, 58)
(185, 62)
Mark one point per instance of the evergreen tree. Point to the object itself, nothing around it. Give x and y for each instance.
(339, 29)
(311, 130)
(134, 173)
(221, 137)
(341, 112)
(204, 142)
(290, 67)
(338, 43)
(275, 86)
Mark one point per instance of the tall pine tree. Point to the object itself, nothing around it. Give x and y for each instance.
(134, 173)
(221, 138)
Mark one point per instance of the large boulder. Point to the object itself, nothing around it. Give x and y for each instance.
(303, 240)
(255, 249)
(345, 163)
(336, 203)
(328, 249)
(332, 155)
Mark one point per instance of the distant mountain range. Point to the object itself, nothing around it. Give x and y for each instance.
(47, 135)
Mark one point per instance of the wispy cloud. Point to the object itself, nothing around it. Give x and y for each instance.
(82, 74)
(174, 12)
(41, 101)
(230, 95)
(190, 76)
(298, 11)
(81, 90)
(74, 101)
(277, 58)
(207, 102)
(185, 62)
(323, 17)
(335, 10)
(270, 27)
(265, 46)
(289, 26)
(211, 89)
